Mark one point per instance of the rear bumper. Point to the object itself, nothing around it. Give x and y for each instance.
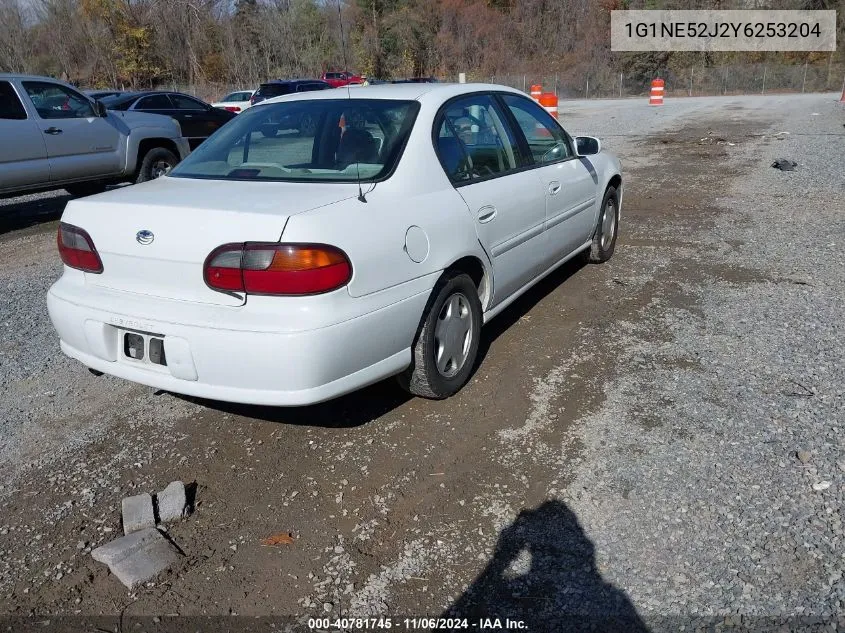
(219, 361)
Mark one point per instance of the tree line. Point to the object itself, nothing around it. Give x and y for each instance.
(148, 43)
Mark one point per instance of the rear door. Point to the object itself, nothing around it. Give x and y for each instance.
(568, 182)
(79, 143)
(480, 154)
(23, 154)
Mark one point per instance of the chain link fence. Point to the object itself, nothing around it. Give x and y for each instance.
(693, 81)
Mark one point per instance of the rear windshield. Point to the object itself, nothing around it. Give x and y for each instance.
(326, 140)
(274, 90)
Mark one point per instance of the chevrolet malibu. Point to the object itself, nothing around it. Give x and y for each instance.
(293, 268)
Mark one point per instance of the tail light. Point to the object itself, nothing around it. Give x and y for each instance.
(277, 269)
(235, 109)
(77, 250)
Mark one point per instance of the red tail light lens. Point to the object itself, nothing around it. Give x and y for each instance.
(77, 250)
(277, 269)
(231, 108)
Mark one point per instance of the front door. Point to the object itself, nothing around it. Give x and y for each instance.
(482, 158)
(79, 143)
(23, 155)
(569, 182)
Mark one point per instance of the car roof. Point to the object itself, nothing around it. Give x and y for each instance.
(291, 81)
(406, 91)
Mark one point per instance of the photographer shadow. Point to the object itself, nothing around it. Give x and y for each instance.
(543, 574)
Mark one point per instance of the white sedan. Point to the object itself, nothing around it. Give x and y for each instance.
(236, 102)
(292, 268)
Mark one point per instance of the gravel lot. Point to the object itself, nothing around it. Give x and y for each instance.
(628, 448)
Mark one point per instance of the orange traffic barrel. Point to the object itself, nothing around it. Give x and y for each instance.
(549, 102)
(536, 90)
(656, 96)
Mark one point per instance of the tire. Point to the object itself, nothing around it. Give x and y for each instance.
(156, 162)
(455, 293)
(607, 229)
(269, 131)
(85, 188)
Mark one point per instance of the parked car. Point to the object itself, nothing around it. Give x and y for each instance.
(198, 119)
(377, 246)
(340, 79)
(102, 94)
(235, 101)
(52, 136)
(281, 87)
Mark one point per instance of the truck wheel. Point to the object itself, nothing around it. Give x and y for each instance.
(85, 188)
(156, 162)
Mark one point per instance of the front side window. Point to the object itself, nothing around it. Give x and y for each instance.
(325, 140)
(10, 105)
(473, 141)
(53, 101)
(154, 102)
(546, 140)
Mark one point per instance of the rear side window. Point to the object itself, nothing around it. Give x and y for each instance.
(473, 141)
(273, 90)
(186, 103)
(154, 102)
(10, 105)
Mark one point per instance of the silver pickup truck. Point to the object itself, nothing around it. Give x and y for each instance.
(52, 136)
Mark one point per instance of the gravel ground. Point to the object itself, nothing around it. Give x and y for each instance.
(657, 440)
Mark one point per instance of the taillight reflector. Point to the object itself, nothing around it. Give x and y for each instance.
(77, 249)
(277, 269)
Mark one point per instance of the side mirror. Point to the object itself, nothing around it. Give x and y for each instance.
(100, 109)
(587, 145)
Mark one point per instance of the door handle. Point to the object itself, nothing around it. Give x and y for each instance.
(554, 188)
(486, 214)
(52, 130)
(188, 116)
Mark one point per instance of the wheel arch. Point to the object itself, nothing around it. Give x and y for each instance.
(473, 266)
(148, 144)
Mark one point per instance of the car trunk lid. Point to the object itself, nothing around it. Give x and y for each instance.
(154, 238)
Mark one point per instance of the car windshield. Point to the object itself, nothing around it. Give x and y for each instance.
(327, 140)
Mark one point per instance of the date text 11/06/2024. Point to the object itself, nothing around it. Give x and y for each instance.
(409, 624)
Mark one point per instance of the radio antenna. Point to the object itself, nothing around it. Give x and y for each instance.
(361, 196)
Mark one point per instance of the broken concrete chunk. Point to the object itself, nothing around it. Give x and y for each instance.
(137, 557)
(172, 502)
(137, 513)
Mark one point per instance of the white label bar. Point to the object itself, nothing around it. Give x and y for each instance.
(714, 31)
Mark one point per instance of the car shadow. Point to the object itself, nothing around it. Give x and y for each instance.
(370, 403)
(353, 409)
(543, 574)
(17, 214)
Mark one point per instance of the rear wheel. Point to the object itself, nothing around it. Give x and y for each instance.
(604, 239)
(85, 188)
(446, 346)
(156, 163)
